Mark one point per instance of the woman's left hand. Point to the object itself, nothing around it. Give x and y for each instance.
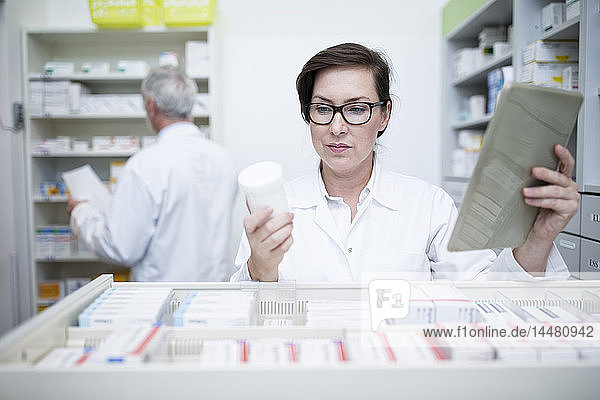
(558, 202)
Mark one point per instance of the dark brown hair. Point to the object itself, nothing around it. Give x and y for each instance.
(341, 55)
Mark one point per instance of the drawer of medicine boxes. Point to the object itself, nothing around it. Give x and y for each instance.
(569, 247)
(590, 216)
(590, 259)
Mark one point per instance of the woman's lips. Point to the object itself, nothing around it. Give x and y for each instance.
(338, 147)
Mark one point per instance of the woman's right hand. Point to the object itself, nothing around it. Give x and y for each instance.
(269, 239)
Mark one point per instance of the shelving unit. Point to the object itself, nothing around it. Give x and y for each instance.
(90, 45)
(479, 76)
(84, 154)
(525, 17)
(102, 116)
(473, 123)
(106, 78)
(456, 91)
(172, 370)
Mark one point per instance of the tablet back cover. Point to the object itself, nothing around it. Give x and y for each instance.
(528, 122)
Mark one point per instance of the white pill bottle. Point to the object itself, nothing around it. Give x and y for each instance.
(262, 184)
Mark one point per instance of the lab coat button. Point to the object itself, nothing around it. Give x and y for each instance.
(349, 249)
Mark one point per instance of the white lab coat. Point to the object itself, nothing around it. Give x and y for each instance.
(170, 214)
(401, 230)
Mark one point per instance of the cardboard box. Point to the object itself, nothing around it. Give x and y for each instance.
(56, 97)
(95, 68)
(572, 9)
(553, 15)
(36, 97)
(132, 67)
(451, 305)
(197, 62)
(561, 51)
(570, 77)
(50, 290)
(546, 74)
(59, 68)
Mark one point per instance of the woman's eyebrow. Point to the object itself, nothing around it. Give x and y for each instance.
(350, 100)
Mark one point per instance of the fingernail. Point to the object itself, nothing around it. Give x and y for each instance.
(269, 210)
(526, 191)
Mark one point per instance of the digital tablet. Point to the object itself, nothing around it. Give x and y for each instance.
(528, 122)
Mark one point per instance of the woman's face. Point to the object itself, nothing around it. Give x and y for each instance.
(342, 147)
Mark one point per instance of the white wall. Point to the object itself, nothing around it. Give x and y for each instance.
(14, 281)
(7, 228)
(265, 44)
(262, 47)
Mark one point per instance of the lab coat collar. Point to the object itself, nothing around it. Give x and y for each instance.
(363, 194)
(385, 188)
(178, 129)
(381, 185)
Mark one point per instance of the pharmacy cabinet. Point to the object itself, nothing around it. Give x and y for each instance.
(590, 216)
(83, 106)
(590, 259)
(278, 354)
(503, 32)
(569, 247)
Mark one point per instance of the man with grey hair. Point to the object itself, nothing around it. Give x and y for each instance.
(169, 218)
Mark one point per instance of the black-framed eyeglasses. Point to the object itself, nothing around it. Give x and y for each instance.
(355, 113)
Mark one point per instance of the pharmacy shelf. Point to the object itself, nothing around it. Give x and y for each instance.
(565, 31)
(591, 188)
(473, 123)
(79, 46)
(81, 154)
(456, 178)
(110, 77)
(86, 257)
(492, 13)
(50, 199)
(104, 116)
(480, 75)
(526, 23)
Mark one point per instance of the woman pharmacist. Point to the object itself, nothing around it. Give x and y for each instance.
(353, 218)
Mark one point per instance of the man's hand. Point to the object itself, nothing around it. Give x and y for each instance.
(269, 239)
(71, 204)
(558, 202)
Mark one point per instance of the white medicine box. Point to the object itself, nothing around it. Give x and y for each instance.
(553, 15)
(551, 51)
(545, 74)
(197, 59)
(572, 9)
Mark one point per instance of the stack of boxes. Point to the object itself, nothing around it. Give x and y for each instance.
(50, 291)
(58, 241)
(217, 308)
(494, 42)
(126, 306)
(465, 156)
(545, 60)
(554, 14)
(496, 79)
(66, 144)
(56, 97)
(54, 241)
(197, 58)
